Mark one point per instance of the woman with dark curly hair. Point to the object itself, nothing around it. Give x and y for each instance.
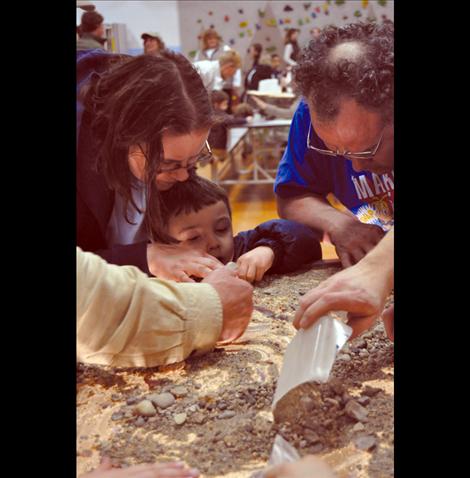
(142, 126)
(341, 138)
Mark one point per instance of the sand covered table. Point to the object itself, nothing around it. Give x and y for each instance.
(214, 412)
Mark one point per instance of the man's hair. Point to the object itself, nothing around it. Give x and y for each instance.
(90, 21)
(230, 56)
(218, 96)
(243, 110)
(325, 78)
(189, 196)
(136, 101)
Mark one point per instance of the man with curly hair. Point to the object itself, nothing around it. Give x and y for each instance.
(341, 139)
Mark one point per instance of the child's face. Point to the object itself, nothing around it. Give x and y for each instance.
(208, 230)
(222, 105)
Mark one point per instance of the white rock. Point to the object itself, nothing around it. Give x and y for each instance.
(146, 408)
(162, 400)
(179, 418)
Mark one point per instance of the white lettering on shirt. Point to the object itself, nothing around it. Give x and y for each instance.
(364, 191)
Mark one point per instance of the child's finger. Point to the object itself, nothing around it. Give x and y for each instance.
(251, 272)
(259, 273)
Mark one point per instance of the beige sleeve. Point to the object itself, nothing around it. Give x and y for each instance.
(127, 319)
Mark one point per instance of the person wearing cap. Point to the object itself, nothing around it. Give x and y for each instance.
(153, 44)
(91, 32)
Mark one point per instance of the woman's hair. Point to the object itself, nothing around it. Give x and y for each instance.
(258, 48)
(289, 33)
(134, 103)
(209, 33)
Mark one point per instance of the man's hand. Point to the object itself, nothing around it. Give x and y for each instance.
(388, 320)
(361, 290)
(154, 470)
(308, 467)
(253, 264)
(175, 262)
(236, 296)
(353, 239)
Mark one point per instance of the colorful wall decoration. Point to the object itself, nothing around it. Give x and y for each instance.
(246, 22)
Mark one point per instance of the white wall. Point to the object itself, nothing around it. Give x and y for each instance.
(141, 16)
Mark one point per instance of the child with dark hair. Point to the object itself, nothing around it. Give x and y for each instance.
(197, 214)
(218, 134)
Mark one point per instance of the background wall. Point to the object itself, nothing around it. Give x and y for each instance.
(141, 16)
(245, 22)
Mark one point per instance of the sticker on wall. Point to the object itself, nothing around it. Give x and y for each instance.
(317, 9)
(192, 53)
(241, 34)
(365, 3)
(281, 21)
(268, 38)
(340, 2)
(272, 22)
(325, 7)
(314, 15)
(307, 20)
(226, 18)
(249, 33)
(307, 5)
(261, 13)
(300, 22)
(240, 11)
(286, 20)
(271, 49)
(345, 17)
(231, 41)
(243, 24)
(382, 3)
(357, 14)
(326, 12)
(288, 8)
(258, 26)
(210, 13)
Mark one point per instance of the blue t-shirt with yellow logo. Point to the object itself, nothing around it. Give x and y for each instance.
(301, 171)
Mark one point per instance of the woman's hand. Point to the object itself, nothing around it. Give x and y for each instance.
(178, 263)
(253, 264)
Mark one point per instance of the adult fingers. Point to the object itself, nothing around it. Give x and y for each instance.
(251, 272)
(328, 302)
(388, 320)
(344, 257)
(259, 273)
(360, 324)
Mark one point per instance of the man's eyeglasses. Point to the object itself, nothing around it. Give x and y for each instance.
(347, 154)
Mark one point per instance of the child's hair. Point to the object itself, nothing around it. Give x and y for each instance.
(191, 196)
(243, 110)
(218, 96)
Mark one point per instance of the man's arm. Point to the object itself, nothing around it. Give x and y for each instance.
(360, 290)
(125, 318)
(352, 239)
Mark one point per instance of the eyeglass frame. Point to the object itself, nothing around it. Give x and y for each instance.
(347, 154)
(202, 158)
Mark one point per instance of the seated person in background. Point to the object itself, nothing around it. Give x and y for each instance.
(215, 74)
(91, 32)
(261, 70)
(276, 70)
(218, 134)
(276, 111)
(197, 214)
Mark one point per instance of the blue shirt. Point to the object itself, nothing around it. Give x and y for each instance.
(302, 171)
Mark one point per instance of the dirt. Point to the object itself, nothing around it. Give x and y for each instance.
(229, 427)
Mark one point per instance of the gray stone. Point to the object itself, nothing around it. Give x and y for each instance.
(132, 400)
(117, 416)
(140, 422)
(363, 400)
(358, 427)
(198, 418)
(162, 400)
(226, 414)
(179, 418)
(365, 442)
(179, 391)
(371, 391)
(145, 408)
(356, 411)
(311, 436)
(344, 357)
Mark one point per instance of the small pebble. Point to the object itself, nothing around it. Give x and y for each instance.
(162, 400)
(146, 408)
(179, 418)
(226, 414)
(179, 391)
(366, 442)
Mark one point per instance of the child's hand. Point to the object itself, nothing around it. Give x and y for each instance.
(253, 265)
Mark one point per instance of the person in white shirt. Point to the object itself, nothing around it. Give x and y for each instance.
(215, 73)
(291, 48)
